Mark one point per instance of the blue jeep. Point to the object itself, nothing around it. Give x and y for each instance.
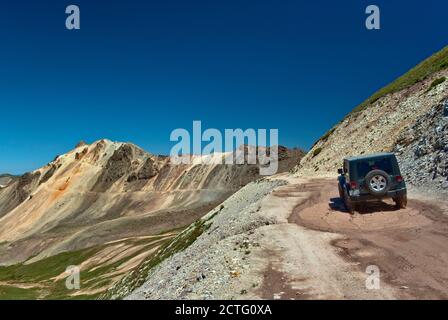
(371, 178)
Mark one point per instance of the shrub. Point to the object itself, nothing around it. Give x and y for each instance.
(316, 151)
(327, 135)
(435, 83)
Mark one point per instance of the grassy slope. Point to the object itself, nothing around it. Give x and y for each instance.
(40, 273)
(138, 276)
(35, 280)
(435, 63)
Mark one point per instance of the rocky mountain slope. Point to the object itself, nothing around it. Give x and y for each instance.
(106, 206)
(423, 151)
(394, 119)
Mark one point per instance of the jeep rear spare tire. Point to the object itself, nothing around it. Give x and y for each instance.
(378, 182)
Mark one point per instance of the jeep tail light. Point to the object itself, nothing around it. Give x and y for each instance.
(353, 185)
(399, 178)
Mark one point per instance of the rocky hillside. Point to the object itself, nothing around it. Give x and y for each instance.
(393, 119)
(423, 150)
(107, 206)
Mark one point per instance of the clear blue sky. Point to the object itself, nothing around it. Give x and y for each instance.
(139, 69)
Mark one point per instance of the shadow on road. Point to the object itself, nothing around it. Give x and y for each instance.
(337, 204)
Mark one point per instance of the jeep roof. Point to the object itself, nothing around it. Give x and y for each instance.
(370, 156)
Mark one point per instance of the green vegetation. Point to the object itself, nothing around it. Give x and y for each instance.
(40, 275)
(182, 241)
(15, 293)
(316, 151)
(43, 269)
(435, 63)
(435, 83)
(37, 280)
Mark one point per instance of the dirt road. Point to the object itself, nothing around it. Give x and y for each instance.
(323, 252)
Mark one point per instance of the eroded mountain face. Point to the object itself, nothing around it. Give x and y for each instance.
(6, 179)
(108, 191)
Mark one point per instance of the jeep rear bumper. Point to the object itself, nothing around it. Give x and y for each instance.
(369, 197)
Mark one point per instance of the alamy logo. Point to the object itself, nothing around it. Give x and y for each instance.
(258, 150)
(373, 20)
(73, 280)
(73, 21)
(373, 280)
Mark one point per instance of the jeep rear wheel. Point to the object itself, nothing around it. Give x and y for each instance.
(401, 201)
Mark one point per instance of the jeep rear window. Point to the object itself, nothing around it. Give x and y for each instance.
(363, 167)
